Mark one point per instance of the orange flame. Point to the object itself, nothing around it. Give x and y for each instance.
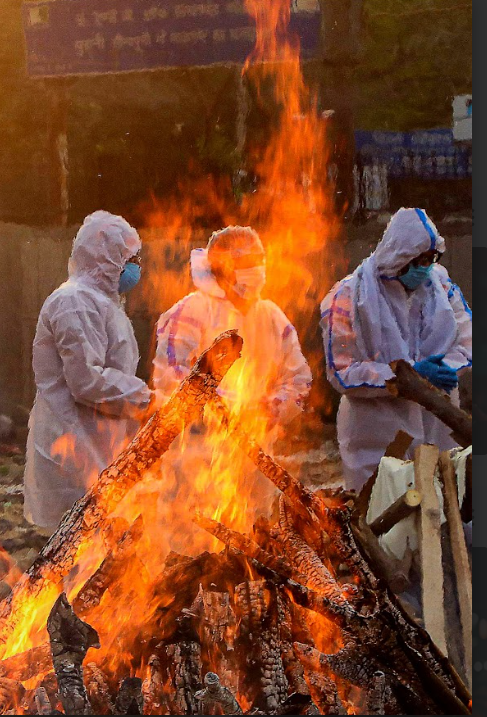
(293, 211)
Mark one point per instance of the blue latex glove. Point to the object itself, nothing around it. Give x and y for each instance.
(437, 372)
(448, 376)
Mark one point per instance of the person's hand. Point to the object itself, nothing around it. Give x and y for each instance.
(437, 372)
(145, 413)
(447, 376)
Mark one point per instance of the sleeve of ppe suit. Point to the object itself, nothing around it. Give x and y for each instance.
(81, 339)
(179, 333)
(459, 356)
(362, 379)
(294, 380)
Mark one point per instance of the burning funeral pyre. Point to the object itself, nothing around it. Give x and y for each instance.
(293, 618)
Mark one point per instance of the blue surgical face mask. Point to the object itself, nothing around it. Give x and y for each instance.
(415, 276)
(129, 277)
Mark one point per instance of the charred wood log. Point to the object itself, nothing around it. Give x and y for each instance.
(307, 562)
(71, 638)
(25, 665)
(11, 694)
(215, 694)
(356, 665)
(246, 545)
(130, 700)
(37, 661)
(99, 692)
(265, 682)
(410, 385)
(390, 632)
(179, 587)
(216, 628)
(378, 696)
(111, 570)
(292, 666)
(152, 441)
(298, 704)
(184, 673)
(43, 703)
(153, 688)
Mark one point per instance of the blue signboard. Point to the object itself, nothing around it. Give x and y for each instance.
(429, 154)
(75, 37)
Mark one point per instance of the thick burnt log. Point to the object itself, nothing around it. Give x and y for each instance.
(410, 385)
(390, 632)
(111, 569)
(71, 638)
(11, 694)
(151, 442)
(307, 562)
(246, 545)
(378, 696)
(298, 704)
(184, 677)
(216, 627)
(264, 681)
(130, 700)
(25, 665)
(386, 566)
(178, 588)
(153, 688)
(43, 703)
(99, 692)
(292, 666)
(321, 686)
(37, 661)
(214, 694)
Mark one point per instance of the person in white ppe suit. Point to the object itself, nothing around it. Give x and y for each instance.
(272, 379)
(399, 304)
(85, 357)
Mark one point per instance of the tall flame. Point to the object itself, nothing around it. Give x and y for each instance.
(293, 211)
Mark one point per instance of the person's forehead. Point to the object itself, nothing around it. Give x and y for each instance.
(248, 260)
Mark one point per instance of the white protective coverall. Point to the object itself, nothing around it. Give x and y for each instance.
(369, 320)
(84, 357)
(272, 363)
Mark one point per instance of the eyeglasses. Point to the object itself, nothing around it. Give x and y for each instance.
(426, 259)
(137, 259)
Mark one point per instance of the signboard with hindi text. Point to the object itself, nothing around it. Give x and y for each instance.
(77, 37)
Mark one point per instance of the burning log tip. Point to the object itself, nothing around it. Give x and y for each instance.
(215, 693)
(71, 638)
(218, 358)
(130, 700)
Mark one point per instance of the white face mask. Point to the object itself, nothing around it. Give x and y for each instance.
(250, 282)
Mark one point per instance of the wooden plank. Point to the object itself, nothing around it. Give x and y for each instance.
(429, 529)
(404, 506)
(461, 560)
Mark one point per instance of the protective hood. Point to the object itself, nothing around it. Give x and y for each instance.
(409, 233)
(202, 275)
(380, 314)
(100, 250)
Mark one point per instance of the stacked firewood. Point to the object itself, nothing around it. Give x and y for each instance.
(295, 618)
